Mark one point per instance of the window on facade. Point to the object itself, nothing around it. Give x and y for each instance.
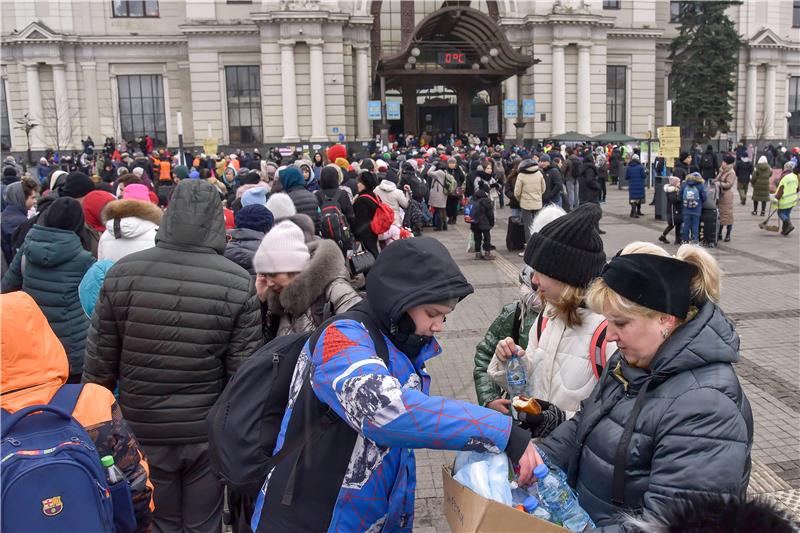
(675, 11)
(135, 8)
(5, 128)
(141, 108)
(796, 14)
(794, 106)
(243, 86)
(611, 4)
(615, 98)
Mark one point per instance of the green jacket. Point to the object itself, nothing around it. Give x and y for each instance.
(760, 182)
(501, 328)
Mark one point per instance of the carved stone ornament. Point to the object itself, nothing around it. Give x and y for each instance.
(300, 5)
(570, 7)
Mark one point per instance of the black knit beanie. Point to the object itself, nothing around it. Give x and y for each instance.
(64, 213)
(77, 185)
(329, 177)
(569, 248)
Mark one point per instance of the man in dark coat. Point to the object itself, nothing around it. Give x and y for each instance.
(553, 180)
(291, 179)
(172, 324)
(588, 186)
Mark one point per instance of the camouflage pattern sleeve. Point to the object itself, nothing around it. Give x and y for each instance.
(114, 437)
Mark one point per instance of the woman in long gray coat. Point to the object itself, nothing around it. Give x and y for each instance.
(668, 416)
(438, 197)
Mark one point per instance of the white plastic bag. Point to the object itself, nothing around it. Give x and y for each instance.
(485, 474)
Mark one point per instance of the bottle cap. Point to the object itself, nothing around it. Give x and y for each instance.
(107, 460)
(541, 471)
(530, 504)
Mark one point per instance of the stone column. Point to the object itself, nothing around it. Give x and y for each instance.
(409, 107)
(559, 110)
(90, 98)
(464, 108)
(584, 89)
(510, 131)
(288, 93)
(34, 103)
(769, 103)
(363, 131)
(319, 124)
(750, 101)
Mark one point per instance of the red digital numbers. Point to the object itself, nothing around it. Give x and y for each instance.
(454, 58)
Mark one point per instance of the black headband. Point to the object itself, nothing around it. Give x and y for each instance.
(652, 281)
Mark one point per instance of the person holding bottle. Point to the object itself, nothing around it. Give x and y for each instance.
(566, 255)
(669, 416)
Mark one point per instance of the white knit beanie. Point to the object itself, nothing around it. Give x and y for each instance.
(282, 249)
(281, 205)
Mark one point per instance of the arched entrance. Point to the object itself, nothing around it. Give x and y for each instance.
(447, 73)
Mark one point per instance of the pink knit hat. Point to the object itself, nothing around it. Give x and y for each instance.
(136, 191)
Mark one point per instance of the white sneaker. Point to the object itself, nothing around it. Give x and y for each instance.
(521, 254)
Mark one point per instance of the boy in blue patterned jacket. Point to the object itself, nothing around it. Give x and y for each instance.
(359, 474)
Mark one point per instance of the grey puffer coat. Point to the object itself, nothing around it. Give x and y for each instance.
(302, 304)
(242, 247)
(693, 434)
(174, 322)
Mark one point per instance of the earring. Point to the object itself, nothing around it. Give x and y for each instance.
(665, 333)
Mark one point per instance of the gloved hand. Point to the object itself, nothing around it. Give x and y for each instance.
(542, 424)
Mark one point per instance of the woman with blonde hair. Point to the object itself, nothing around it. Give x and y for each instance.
(668, 417)
(564, 355)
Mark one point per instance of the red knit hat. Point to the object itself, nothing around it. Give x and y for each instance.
(93, 204)
(336, 151)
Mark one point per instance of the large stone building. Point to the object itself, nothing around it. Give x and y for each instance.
(302, 71)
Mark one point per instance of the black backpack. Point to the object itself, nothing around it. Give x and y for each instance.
(413, 218)
(333, 223)
(244, 423)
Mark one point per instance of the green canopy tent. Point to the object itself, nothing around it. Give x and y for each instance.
(613, 137)
(571, 136)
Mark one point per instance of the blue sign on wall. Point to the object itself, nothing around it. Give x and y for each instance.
(528, 108)
(392, 110)
(374, 109)
(509, 108)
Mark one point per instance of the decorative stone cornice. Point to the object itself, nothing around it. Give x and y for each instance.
(569, 20)
(636, 33)
(227, 29)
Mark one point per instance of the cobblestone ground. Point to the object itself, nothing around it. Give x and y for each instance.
(760, 293)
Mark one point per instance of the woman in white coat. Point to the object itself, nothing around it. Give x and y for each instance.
(131, 224)
(566, 345)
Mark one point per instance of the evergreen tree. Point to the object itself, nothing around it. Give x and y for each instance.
(705, 58)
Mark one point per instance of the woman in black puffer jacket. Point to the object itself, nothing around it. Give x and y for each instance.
(668, 417)
(364, 207)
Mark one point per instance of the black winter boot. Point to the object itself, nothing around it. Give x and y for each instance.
(728, 233)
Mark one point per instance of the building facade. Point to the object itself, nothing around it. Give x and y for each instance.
(253, 73)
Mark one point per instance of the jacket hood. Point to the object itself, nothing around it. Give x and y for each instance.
(387, 186)
(245, 234)
(194, 221)
(412, 272)
(49, 247)
(695, 179)
(326, 264)
(764, 166)
(132, 208)
(30, 351)
(708, 338)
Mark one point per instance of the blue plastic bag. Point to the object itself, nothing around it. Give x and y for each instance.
(485, 474)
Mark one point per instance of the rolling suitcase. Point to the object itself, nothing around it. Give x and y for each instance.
(709, 224)
(515, 236)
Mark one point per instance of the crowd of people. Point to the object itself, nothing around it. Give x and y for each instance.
(145, 279)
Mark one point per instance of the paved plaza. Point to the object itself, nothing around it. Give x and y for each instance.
(760, 294)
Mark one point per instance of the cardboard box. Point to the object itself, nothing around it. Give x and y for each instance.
(467, 511)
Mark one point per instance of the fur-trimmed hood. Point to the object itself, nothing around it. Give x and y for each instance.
(326, 264)
(132, 208)
(135, 218)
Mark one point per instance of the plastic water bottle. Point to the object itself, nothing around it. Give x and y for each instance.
(532, 506)
(561, 501)
(113, 474)
(517, 379)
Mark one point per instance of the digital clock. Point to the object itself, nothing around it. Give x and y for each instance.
(452, 59)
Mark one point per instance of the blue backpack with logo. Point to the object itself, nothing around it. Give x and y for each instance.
(52, 476)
